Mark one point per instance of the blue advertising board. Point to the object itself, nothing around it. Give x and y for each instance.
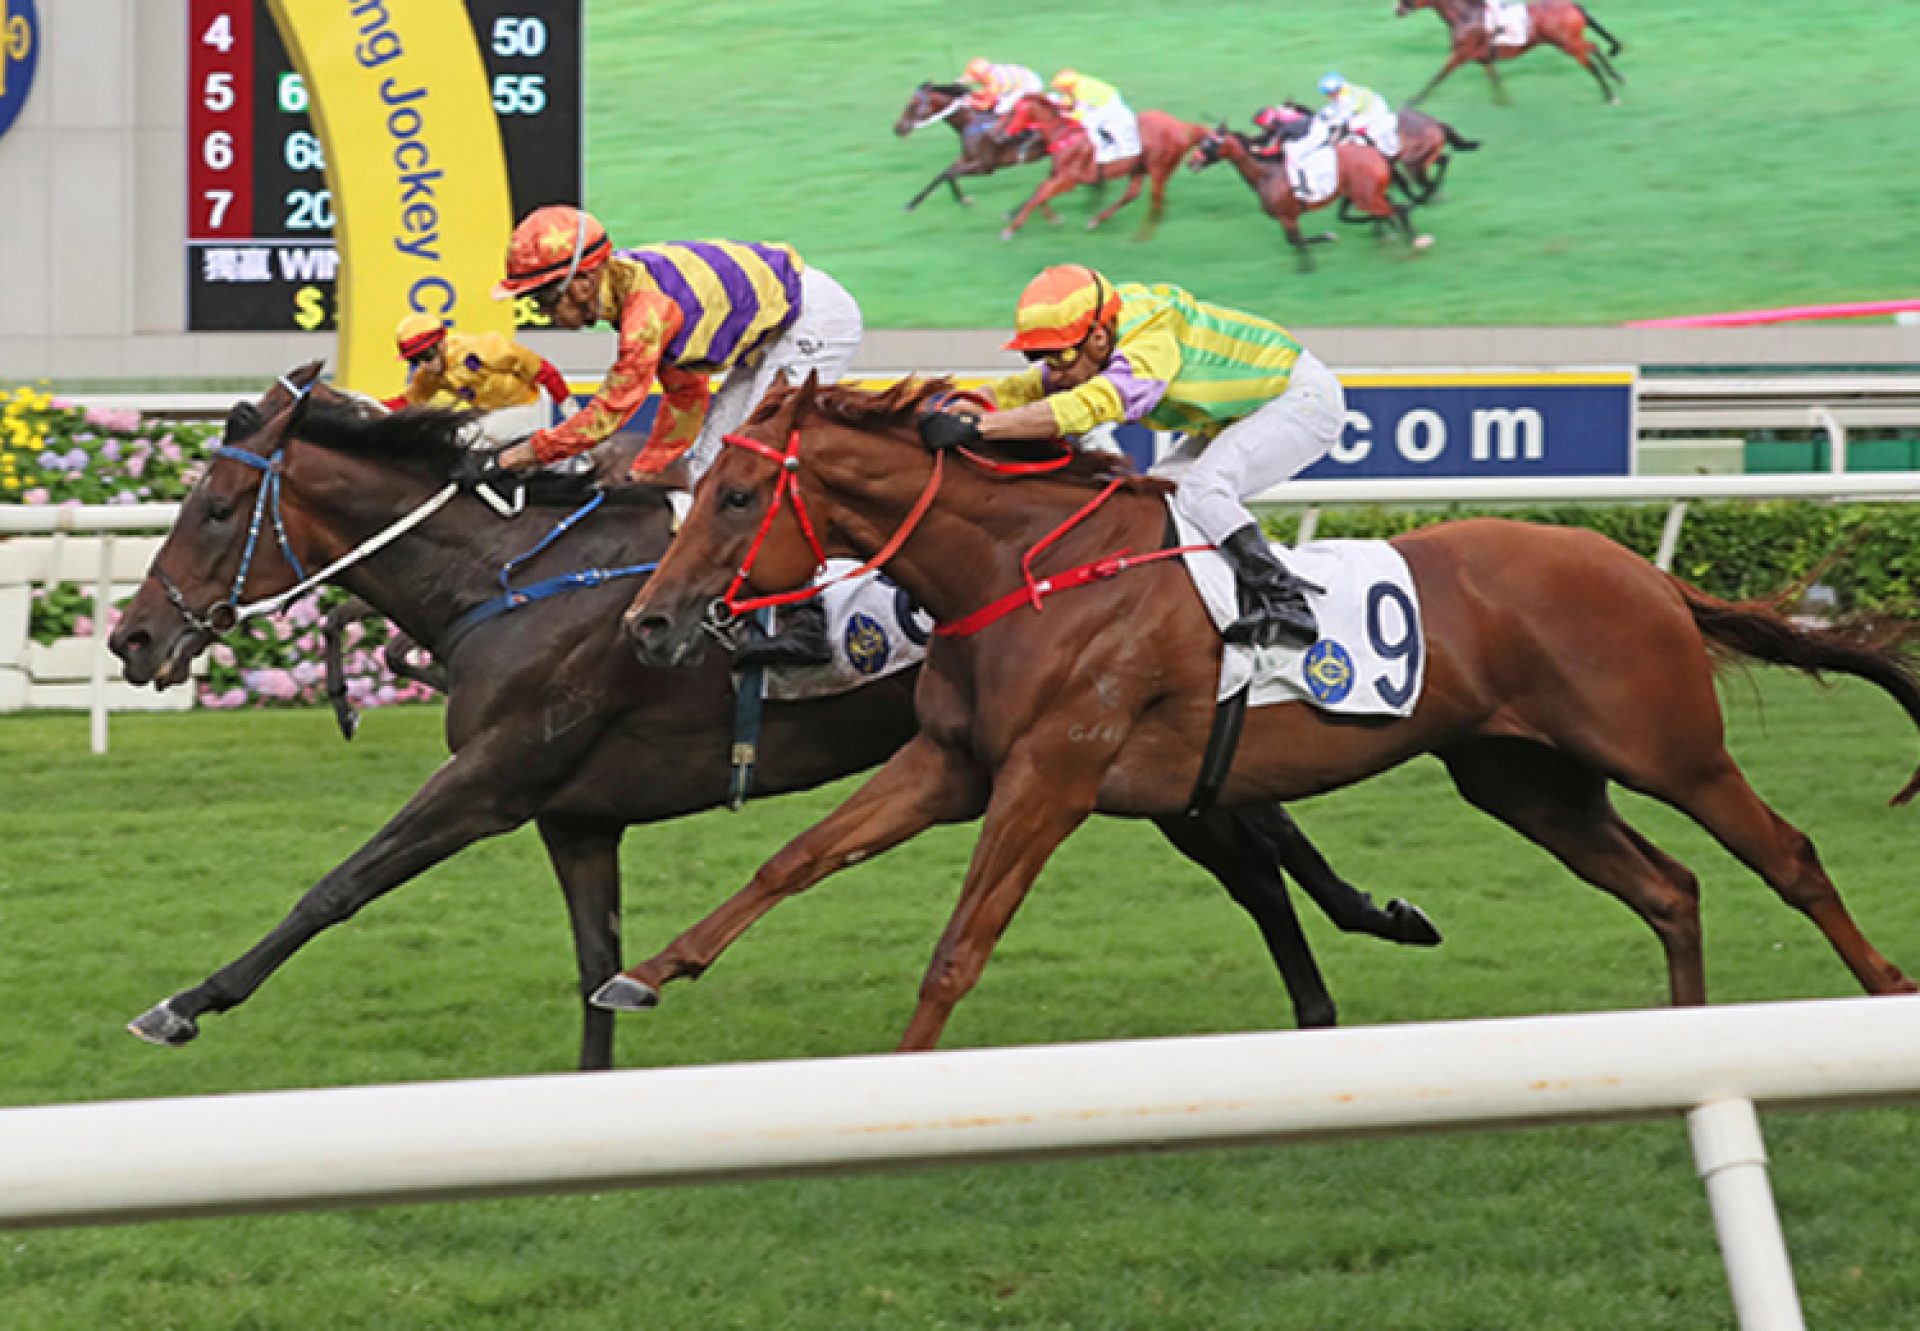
(19, 53)
(1491, 423)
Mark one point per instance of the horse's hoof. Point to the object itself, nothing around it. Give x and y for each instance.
(1006, 234)
(1423, 242)
(1094, 224)
(966, 203)
(1411, 924)
(624, 994)
(161, 1025)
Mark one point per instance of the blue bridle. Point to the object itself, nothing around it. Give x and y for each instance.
(223, 615)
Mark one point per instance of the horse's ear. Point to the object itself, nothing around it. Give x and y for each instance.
(803, 396)
(306, 376)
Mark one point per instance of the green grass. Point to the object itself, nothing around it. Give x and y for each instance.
(127, 877)
(1754, 162)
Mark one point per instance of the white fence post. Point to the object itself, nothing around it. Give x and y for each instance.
(1732, 1160)
(102, 611)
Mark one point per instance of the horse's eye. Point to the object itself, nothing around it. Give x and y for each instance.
(736, 500)
(219, 510)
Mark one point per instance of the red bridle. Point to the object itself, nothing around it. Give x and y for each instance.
(789, 486)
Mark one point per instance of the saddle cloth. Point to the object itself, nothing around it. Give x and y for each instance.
(1114, 130)
(1510, 24)
(875, 631)
(1371, 658)
(1313, 166)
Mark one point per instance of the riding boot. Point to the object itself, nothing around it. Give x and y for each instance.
(801, 639)
(1273, 604)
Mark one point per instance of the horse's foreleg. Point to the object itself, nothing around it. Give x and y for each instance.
(1488, 63)
(332, 643)
(1454, 61)
(1592, 61)
(1037, 802)
(587, 861)
(944, 177)
(1051, 188)
(921, 785)
(470, 797)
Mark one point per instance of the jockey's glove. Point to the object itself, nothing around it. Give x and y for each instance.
(941, 430)
(476, 467)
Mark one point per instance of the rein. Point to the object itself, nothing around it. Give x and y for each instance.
(1032, 593)
(938, 116)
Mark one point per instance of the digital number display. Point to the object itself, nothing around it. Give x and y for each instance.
(260, 248)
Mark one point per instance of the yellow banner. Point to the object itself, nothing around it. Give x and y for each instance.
(414, 161)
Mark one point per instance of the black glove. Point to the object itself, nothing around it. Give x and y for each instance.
(476, 467)
(948, 429)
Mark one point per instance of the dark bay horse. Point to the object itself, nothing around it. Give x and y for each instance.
(982, 152)
(1363, 192)
(1557, 663)
(550, 718)
(1164, 141)
(1560, 23)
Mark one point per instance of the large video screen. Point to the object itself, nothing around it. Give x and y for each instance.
(1754, 158)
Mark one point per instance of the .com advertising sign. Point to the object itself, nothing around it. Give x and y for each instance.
(1492, 423)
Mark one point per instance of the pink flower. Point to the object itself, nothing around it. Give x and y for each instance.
(222, 654)
(169, 450)
(39, 494)
(137, 466)
(278, 684)
(306, 673)
(83, 626)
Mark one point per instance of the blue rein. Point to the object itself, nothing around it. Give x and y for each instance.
(512, 598)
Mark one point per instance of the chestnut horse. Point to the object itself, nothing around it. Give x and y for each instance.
(982, 152)
(1560, 23)
(1164, 140)
(1557, 663)
(1427, 145)
(1365, 178)
(550, 719)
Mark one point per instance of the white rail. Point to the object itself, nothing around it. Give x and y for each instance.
(144, 1160)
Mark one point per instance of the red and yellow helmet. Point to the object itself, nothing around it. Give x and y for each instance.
(1061, 307)
(419, 334)
(550, 245)
(979, 69)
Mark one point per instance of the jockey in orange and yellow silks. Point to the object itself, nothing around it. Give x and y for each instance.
(998, 87)
(683, 311)
(485, 371)
(1098, 108)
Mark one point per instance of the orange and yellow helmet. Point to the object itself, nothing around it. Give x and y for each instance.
(979, 69)
(1067, 80)
(419, 334)
(550, 245)
(1061, 307)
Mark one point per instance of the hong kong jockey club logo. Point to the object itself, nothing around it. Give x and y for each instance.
(868, 646)
(19, 51)
(1329, 671)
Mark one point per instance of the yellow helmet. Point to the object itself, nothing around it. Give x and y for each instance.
(550, 245)
(419, 334)
(1067, 80)
(1061, 307)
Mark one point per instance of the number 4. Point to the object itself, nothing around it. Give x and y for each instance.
(219, 34)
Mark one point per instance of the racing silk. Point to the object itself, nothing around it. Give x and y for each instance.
(486, 371)
(1179, 364)
(1360, 110)
(683, 311)
(1005, 85)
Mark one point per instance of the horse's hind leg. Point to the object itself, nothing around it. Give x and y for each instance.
(587, 861)
(1132, 192)
(1722, 802)
(1224, 849)
(1350, 909)
(1562, 805)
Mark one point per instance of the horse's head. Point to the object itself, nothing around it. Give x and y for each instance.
(1206, 152)
(925, 103)
(230, 540)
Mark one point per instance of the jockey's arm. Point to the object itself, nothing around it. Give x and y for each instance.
(1132, 383)
(683, 410)
(648, 322)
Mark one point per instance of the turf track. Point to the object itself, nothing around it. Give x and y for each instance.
(214, 822)
(1757, 160)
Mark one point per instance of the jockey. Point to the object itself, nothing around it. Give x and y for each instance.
(1098, 108)
(485, 371)
(1361, 113)
(1254, 405)
(999, 86)
(683, 311)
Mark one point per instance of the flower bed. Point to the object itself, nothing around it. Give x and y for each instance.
(57, 452)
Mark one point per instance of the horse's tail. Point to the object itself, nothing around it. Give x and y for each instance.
(1457, 139)
(1873, 651)
(1613, 43)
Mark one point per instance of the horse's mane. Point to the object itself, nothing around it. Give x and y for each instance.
(949, 89)
(898, 407)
